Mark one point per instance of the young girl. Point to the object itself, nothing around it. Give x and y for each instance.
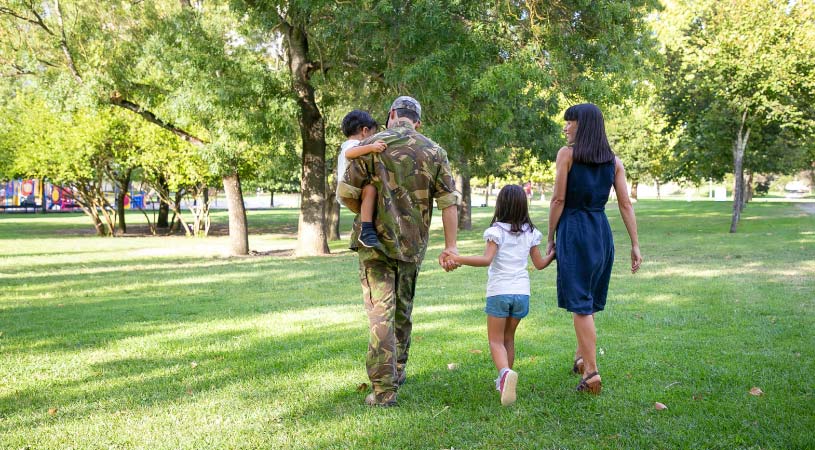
(356, 126)
(511, 238)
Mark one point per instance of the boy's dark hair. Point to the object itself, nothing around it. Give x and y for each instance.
(413, 116)
(511, 208)
(590, 143)
(355, 121)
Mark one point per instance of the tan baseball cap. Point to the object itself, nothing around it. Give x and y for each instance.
(405, 102)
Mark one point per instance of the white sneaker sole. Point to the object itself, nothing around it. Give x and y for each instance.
(508, 394)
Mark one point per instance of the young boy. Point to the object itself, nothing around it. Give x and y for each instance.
(356, 126)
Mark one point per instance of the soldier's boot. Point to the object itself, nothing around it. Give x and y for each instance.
(384, 399)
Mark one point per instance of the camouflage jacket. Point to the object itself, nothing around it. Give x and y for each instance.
(408, 175)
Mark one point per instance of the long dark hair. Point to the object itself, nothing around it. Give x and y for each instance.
(511, 208)
(590, 143)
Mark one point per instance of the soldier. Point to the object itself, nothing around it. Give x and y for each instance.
(408, 175)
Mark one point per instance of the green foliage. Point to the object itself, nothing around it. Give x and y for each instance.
(728, 60)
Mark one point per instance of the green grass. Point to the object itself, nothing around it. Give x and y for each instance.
(164, 343)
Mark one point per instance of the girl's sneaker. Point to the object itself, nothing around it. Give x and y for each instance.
(506, 384)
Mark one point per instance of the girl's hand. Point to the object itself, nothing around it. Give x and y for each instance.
(636, 258)
(550, 247)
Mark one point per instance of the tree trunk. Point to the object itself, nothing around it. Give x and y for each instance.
(333, 225)
(634, 185)
(659, 194)
(738, 171)
(465, 219)
(487, 192)
(163, 220)
(271, 202)
(311, 234)
(748, 197)
(238, 232)
(124, 186)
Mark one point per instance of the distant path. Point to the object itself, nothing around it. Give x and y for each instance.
(808, 208)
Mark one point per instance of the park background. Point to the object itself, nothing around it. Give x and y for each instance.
(204, 297)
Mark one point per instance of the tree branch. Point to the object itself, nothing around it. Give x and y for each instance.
(117, 100)
(39, 22)
(64, 44)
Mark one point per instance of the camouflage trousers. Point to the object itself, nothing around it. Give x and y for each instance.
(388, 286)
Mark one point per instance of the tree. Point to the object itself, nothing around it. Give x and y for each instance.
(72, 150)
(738, 77)
(181, 66)
(637, 134)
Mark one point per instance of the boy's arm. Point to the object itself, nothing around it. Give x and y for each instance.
(359, 150)
(540, 262)
(477, 261)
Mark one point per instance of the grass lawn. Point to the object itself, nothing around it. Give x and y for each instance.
(164, 343)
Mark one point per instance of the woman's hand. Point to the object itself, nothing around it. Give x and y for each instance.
(636, 258)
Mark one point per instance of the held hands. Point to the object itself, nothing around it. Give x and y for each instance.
(636, 258)
(447, 259)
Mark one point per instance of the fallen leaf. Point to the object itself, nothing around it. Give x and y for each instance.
(797, 354)
(362, 387)
(638, 316)
(756, 391)
(417, 338)
(193, 364)
(698, 397)
(628, 375)
(60, 305)
(452, 366)
(52, 411)
(476, 351)
(659, 406)
(189, 391)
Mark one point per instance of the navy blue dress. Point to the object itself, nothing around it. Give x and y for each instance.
(584, 244)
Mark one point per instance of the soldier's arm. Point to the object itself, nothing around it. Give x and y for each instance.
(447, 199)
(350, 187)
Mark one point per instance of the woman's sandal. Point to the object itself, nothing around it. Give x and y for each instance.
(577, 369)
(592, 388)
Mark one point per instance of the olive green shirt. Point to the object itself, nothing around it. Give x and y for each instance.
(408, 175)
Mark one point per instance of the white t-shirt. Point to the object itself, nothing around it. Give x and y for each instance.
(342, 161)
(507, 273)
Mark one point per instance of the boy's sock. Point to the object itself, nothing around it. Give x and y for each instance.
(367, 236)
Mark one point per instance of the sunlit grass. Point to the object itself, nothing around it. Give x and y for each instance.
(166, 343)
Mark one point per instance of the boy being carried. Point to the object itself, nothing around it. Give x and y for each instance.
(356, 126)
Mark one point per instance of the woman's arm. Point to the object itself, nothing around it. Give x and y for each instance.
(540, 262)
(627, 213)
(562, 165)
(359, 150)
(477, 261)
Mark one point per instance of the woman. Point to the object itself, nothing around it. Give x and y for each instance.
(585, 171)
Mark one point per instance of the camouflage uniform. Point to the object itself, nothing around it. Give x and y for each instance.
(408, 175)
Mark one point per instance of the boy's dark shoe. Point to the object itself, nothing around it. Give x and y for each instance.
(367, 236)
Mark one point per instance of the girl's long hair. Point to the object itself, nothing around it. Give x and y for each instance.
(590, 144)
(511, 208)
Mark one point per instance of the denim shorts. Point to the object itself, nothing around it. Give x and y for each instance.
(508, 305)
